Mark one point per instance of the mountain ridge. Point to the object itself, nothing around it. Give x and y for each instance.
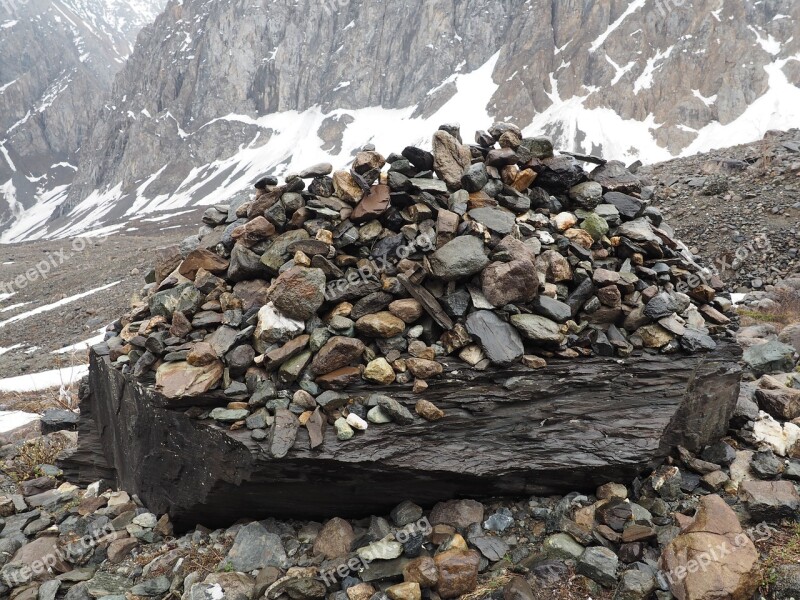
(215, 96)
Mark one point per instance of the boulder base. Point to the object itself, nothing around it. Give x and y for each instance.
(572, 425)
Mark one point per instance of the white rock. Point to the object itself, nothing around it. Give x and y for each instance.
(275, 327)
(545, 237)
(357, 422)
(780, 438)
(146, 520)
(565, 220)
(118, 498)
(385, 549)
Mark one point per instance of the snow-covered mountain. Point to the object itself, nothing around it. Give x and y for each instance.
(58, 59)
(217, 94)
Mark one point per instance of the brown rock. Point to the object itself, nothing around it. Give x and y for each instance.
(316, 428)
(338, 352)
(334, 539)
(510, 282)
(253, 293)
(202, 354)
(379, 371)
(407, 309)
(579, 236)
(275, 358)
(422, 571)
(41, 554)
(203, 259)
(346, 187)
(119, 549)
(178, 379)
(450, 158)
(458, 572)
(167, 260)
(408, 590)
(298, 292)
(181, 326)
(695, 564)
(368, 160)
(780, 401)
(424, 369)
(360, 591)
(372, 206)
(554, 266)
(253, 232)
(340, 378)
(428, 410)
(457, 513)
(383, 324)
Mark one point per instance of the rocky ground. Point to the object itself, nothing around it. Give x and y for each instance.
(719, 525)
(738, 208)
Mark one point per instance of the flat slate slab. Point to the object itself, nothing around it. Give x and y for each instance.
(507, 431)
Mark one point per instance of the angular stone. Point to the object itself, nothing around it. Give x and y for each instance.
(499, 340)
(334, 539)
(178, 379)
(372, 206)
(202, 259)
(538, 329)
(457, 573)
(381, 325)
(450, 158)
(298, 292)
(730, 574)
(512, 282)
(460, 258)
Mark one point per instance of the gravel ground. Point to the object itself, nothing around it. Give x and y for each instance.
(75, 267)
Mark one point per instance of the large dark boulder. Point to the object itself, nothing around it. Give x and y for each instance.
(512, 431)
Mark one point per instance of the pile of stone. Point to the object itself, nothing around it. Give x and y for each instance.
(404, 267)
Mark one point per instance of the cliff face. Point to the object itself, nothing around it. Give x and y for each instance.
(58, 59)
(218, 93)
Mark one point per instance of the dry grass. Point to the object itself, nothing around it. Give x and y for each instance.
(782, 548)
(40, 451)
(198, 558)
(35, 402)
(785, 312)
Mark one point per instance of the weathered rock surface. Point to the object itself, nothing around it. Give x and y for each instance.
(602, 427)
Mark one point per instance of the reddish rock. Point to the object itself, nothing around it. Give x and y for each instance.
(298, 292)
(695, 566)
(334, 539)
(203, 259)
(457, 572)
(178, 379)
(372, 206)
(253, 232)
(338, 352)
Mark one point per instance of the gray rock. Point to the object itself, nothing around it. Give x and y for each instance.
(694, 340)
(255, 548)
(183, 298)
(459, 258)
(538, 329)
(498, 220)
(551, 308)
(600, 564)
(152, 587)
(500, 341)
(772, 357)
(396, 411)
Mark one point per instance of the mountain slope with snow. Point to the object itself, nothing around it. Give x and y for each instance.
(58, 59)
(218, 94)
